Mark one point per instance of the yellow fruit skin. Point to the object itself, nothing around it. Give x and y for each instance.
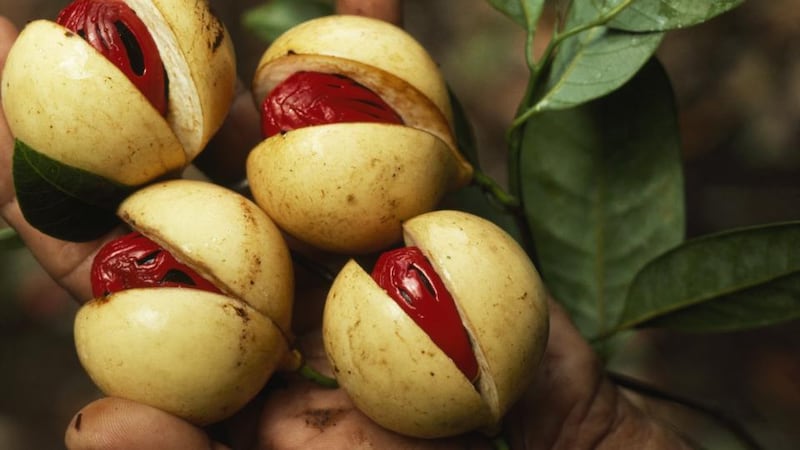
(499, 294)
(200, 61)
(378, 55)
(64, 99)
(369, 42)
(195, 354)
(223, 236)
(349, 195)
(392, 369)
(389, 366)
(346, 188)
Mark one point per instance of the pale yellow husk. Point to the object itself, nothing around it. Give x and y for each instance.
(347, 187)
(390, 367)
(223, 236)
(195, 354)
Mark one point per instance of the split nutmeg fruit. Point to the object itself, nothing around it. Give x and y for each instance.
(384, 333)
(192, 314)
(358, 134)
(109, 97)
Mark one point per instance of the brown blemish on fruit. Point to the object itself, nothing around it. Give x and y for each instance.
(239, 311)
(100, 301)
(214, 27)
(322, 418)
(247, 212)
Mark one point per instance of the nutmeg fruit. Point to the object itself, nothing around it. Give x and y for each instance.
(73, 97)
(198, 354)
(345, 172)
(391, 367)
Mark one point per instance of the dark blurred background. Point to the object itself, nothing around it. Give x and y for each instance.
(737, 83)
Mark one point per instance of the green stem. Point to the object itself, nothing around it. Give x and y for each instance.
(557, 39)
(311, 374)
(511, 206)
(528, 107)
(487, 184)
(530, 36)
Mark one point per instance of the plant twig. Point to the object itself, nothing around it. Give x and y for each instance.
(487, 184)
(727, 422)
(311, 374)
(511, 205)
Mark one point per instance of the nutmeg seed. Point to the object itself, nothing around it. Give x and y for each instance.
(76, 111)
(346, 187)
(391, 368)
(197, 354)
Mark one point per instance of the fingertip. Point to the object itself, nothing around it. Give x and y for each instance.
(8, 34)
(388, 10)
(124, 424)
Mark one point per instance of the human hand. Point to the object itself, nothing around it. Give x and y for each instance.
(570, 405)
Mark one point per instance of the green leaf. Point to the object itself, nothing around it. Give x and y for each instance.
(736, 279)
(10, 240)
(593, 63)
(663, 15)
(768, 304)
(271, 19)
(602, 188)
(526, 13)
(62, 201)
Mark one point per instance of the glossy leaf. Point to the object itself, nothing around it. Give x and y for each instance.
(525, 13)
(62, 201)
(662, 15)
(733, 280)
(602, 189)
(594, 62)
(270, 19)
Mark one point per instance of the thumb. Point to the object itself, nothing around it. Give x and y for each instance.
(123, 424)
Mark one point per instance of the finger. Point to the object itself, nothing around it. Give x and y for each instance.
(123, 424)
(568, 391)
(388, 10)
(68, 263)
(303, 415)
(8, 33)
